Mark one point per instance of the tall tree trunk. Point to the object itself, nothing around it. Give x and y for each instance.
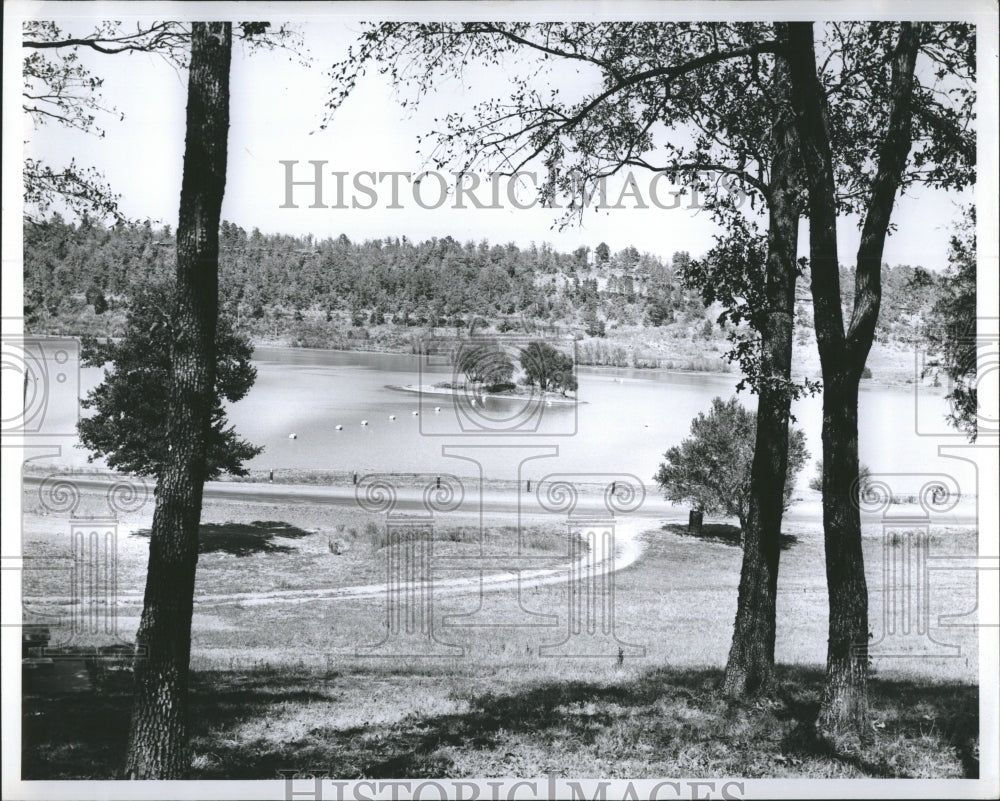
(844, 709)
(750, 666)
(845, 697)
(158, 746)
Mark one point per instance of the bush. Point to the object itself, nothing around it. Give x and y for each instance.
(816, 482)
(710, 470)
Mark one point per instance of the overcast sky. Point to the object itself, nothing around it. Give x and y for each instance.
(276, 110)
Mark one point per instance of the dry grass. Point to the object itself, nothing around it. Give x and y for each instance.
(656, 722)
(283, 686)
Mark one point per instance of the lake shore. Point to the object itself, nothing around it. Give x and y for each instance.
(891, 368)
(550, 398)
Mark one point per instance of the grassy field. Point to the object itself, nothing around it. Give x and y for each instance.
(296, 686)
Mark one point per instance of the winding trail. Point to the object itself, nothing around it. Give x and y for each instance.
(628, 551)
(487, 503)
(628, 546)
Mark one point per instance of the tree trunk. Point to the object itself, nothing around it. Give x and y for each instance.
(845, 697)
(844, 709)
(695, 519)
(750, 666)
(158, 746)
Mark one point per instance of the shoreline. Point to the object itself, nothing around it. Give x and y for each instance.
(450, 392)
(501, 496)
(895, 383)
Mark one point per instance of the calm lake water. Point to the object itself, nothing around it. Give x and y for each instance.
(624, 422)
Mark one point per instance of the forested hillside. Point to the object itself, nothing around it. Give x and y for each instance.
(625, 308)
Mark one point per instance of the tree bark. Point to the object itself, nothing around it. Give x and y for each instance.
(158, 747)
(750, 666)
(844, 707)
(695, 520)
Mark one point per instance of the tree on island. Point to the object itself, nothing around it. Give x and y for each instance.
(548, 368)
(711, 469)
(128, 426)
(484, 364)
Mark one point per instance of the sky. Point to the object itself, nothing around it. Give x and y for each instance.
(277, 107)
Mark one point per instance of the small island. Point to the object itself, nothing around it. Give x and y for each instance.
(488, 369)
(522, 393)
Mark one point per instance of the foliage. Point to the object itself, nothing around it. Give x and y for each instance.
(547, 367)
(711, 468)
(129, 426)
(484, 363)
(444, 282)
(864, 475)
(952, 328)
(732, 274)
(61, 88)
(898, 124)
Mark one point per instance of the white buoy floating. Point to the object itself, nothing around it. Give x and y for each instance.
(339, 428)
(415, 413)
(392, 417)
(437, 408)
(364, 422)
(293, 436)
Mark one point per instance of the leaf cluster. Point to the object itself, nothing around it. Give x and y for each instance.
(711, 468)
(549, 368)
(128, 425)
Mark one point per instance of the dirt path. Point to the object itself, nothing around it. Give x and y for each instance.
(628, 550)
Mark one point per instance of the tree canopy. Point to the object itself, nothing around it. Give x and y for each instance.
(711, 468)
(62, 87)
(952, 328)
(128, 426)
(484, 363)
(549, 368)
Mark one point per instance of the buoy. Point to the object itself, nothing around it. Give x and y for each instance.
(415, 413)
(339, 428)
(364, 422)
(392, 417)
(548, 403)
(437, 408)
(293, 436)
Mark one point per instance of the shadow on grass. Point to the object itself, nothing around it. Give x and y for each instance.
(723, 533)
(243, 539)
(250, 725)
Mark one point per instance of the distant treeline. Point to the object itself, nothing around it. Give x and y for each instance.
(334, 292)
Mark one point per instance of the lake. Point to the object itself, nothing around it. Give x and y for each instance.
(625, 420)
